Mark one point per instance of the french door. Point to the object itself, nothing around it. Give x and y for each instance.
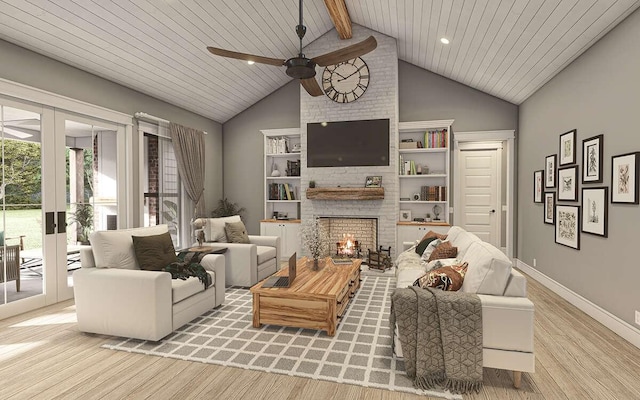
(61, 176)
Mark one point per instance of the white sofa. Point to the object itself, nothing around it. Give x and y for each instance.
(114, 296)
(507, 313)
(246, 263)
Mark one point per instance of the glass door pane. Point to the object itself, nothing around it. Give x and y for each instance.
(21, 239)
(91, 195)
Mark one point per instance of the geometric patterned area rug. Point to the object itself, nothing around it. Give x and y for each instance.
(360, 353)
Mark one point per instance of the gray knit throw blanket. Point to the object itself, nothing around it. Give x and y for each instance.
(441, 337)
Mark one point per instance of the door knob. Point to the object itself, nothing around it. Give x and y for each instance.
(492, 211)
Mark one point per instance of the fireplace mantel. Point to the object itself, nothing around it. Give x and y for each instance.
(340, 193)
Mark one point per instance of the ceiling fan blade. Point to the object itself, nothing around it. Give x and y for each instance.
(347, 53)
(311, 86)
(246, 57)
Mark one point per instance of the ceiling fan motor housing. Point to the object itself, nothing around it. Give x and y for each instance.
(300, 68)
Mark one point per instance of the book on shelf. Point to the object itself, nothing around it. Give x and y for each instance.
(435, 138)
(282, 191)
(277, 145)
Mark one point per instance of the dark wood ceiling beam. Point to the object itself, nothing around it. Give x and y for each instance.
(340, 17)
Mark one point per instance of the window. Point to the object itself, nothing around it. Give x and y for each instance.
(161, 186)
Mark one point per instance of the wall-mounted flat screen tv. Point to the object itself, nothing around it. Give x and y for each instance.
(348, 143)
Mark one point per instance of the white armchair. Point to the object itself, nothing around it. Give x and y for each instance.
(245, 263)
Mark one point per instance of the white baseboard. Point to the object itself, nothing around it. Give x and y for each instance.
(622, 328)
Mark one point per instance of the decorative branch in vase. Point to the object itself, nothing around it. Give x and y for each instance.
(315, 238)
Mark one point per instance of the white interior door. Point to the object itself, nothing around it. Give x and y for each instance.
(480, 195)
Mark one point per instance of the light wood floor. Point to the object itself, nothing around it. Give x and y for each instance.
(43, 356)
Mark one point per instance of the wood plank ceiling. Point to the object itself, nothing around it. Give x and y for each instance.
(507, 48)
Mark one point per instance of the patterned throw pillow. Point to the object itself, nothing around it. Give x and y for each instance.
(448, 278)
(427, 252)
(444, 250)
(432, 234)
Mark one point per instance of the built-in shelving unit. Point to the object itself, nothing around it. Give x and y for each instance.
(423, 177)
(282, 192)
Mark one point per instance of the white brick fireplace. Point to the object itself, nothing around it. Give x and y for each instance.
(379, 101)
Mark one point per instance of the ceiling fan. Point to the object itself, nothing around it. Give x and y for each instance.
(301, 67)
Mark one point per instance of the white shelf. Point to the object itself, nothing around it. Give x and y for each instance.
(283, 201)
(283, 155)
(424, 150)
(421, 202)
(282, 177)
(423, 176)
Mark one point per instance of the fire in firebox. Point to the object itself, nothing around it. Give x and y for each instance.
(348, 246)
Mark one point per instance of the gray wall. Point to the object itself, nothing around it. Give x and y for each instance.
(243, 149)
(599, 93)
(20, 65)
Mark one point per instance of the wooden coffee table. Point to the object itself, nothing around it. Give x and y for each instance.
(316, 300)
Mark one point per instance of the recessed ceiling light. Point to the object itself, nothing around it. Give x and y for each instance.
(444, 40)
(251, 62)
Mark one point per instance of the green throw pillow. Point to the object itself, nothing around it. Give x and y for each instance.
(154, 252)
(236, 232)
(420, 248)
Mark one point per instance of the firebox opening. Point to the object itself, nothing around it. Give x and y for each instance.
(351, 237)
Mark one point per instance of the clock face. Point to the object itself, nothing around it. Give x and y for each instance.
(347, 81)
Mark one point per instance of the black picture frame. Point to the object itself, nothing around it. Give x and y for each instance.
(567, 148)
(549, 216)
(568, 183)
(373, 181)
(538, 176)
(550, 171)
(568, 226)
(595, 211)
(592, 157)
(624, 178)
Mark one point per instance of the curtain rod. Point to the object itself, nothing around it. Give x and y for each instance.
(143, 115)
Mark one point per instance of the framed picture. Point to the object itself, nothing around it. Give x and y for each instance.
(549, 207)
(567, 149)
(537, 186)
(373, 181)
(624, 178)
(550, 171)
(568, 226)
(405, 215)
(592, 160)
(595, 210)
(568, 183)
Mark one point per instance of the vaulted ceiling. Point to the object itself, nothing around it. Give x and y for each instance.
(507, 48)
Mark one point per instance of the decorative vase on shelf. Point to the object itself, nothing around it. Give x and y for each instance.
(315, 264)
(274, 170)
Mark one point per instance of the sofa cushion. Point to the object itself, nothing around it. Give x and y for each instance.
(214, 228)
(114, 249)
(422, 246)
(154, 252)
(236, 232)
(181, 289)
(443, 262)
(447, 278)
(463, 241)
(444, 250)
(488, 270)
(406, 277)
(408, 259)
(265, 253)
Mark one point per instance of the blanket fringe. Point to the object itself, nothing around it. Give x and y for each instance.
(462, 387)
(429, 381)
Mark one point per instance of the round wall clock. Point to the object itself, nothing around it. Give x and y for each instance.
(347, 81)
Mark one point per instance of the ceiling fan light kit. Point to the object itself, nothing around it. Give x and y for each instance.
(301, 67)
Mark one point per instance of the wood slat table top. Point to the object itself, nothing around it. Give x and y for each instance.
(328, 281)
